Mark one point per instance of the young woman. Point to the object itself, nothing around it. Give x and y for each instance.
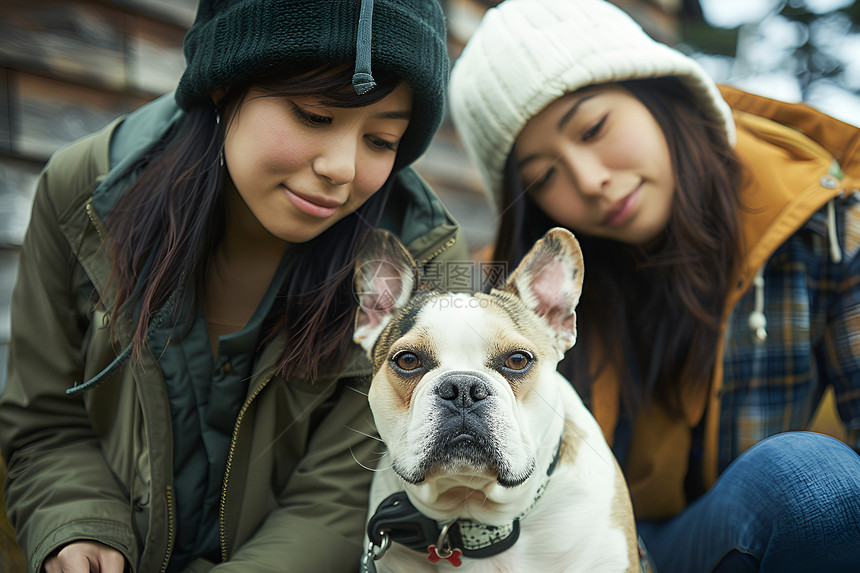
(183, 393)
(721, 236)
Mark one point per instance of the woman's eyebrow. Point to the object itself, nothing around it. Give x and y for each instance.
(405, 114)
(571, 112)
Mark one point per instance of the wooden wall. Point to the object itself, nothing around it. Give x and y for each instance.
(67, 68)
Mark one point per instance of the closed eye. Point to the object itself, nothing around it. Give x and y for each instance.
(309, 118)
(379, 144)
(540, 182)
(594, 131)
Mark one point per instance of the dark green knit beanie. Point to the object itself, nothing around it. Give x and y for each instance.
(234, 40)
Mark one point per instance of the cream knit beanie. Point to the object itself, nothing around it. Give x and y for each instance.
(527, 53)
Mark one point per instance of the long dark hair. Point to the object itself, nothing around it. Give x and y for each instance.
(167, 226)
(654, 311)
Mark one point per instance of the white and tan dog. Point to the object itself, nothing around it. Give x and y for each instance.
(492, 460)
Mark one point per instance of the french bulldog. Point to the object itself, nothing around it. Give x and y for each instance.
(493, 463)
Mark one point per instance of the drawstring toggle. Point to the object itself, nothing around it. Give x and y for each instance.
(362, 79)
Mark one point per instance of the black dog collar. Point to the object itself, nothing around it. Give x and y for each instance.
(397, 520)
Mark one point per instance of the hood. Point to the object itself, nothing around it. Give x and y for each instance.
(784, 144)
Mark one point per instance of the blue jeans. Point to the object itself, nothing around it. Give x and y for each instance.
(790, 503)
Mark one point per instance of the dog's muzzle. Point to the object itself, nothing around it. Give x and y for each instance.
(465, 434)
(466, 431)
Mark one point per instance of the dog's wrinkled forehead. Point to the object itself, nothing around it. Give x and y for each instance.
(482, 319)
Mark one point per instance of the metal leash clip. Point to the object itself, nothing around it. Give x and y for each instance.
(374, 553)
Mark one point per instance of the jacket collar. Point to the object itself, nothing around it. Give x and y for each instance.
(130, 141)
(787, 178)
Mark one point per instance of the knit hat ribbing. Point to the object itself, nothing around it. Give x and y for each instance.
(234, 40)
(527, 53)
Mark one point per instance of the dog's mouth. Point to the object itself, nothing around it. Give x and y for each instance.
(465, 453)
(466, 449)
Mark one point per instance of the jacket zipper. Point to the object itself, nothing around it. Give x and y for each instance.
(447, 245)
(94, 219)
(171, 529)
(222, 532)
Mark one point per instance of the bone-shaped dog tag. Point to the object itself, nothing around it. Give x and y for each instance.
(450, 555)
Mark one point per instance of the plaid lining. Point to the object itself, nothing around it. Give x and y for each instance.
(812, 307)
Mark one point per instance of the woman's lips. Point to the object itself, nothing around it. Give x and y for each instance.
(313, 206)
(622, 209)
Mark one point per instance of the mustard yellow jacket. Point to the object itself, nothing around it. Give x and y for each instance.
(801, 226)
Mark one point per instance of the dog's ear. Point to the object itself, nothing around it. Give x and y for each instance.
(549, 281)
(385, 278)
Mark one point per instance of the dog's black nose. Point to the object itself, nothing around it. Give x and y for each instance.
(462, 390)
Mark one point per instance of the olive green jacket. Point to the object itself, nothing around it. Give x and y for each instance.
(99, 465)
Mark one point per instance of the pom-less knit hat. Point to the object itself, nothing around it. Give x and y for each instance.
(234, 40)
(527, 53)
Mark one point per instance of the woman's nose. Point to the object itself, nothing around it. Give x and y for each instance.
(336, 161)
(590, 175)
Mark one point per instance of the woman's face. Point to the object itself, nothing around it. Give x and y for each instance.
(596, 162)
(300, 166)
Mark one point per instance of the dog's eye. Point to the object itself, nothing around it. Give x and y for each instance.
(407, 361)
(518, 361)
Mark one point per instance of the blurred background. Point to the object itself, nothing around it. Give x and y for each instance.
(68, 67)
